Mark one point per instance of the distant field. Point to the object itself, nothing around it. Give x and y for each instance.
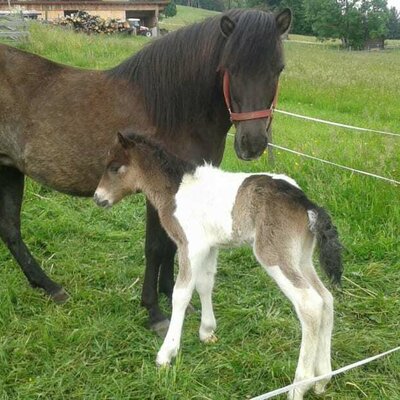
(185, 16)
(97, 347)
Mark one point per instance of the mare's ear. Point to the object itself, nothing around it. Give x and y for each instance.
(283, 20)
(227, 26)
(123, 141)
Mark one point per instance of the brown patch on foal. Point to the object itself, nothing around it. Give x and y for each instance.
(274, 219)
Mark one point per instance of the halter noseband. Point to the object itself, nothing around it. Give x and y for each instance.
(246, 116)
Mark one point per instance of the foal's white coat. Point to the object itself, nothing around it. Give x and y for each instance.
(216, 209)
(204, 204)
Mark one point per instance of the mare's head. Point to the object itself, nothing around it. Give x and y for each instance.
(122, 175)
(251, 63)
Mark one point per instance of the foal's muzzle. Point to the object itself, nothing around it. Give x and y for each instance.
(101, 202)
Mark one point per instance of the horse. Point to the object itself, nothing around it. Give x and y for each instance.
(56, 121)
(203, 208)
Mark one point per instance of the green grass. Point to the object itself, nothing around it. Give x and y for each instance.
(185, 16)
(97, 346)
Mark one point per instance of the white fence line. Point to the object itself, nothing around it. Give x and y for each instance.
(318, 378)
(323, 121)
(336, 165)
(393, 181)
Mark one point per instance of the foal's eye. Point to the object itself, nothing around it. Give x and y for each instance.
(114, 168)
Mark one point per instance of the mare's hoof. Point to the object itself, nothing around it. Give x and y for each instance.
(60, 297)
(161, 328)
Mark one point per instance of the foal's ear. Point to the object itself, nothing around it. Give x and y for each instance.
(123, 141)
(227, 26)
(283, 20)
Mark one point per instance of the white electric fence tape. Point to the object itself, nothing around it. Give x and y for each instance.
(335, 123)
(318, 378)
(336, 165)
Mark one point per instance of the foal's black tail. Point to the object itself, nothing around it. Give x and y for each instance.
(330, 248)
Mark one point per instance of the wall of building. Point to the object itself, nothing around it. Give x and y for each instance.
(149, 13)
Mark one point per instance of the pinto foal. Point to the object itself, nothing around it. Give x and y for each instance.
(203, 208)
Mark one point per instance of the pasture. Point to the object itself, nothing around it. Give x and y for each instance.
(97, 347)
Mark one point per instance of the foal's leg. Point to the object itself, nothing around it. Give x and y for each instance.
(308, 305)
(323, 361)
(183, 290)
(11, 192)
(158, 244)
(204, 286)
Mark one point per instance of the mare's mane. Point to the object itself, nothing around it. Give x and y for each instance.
(173, 167)
(179, 76)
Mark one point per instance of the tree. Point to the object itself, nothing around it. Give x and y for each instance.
(355, 22)
(170, 10)
(393, 24)
(215, 5)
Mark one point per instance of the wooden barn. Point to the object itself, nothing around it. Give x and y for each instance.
(146, 10)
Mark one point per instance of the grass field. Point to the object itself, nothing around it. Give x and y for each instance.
(185, 16)
(97, 346)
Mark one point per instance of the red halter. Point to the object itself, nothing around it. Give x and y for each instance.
(246, 116)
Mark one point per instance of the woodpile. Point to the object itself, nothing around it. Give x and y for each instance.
(84, 22)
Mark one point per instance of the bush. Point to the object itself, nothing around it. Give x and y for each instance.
(170, 10)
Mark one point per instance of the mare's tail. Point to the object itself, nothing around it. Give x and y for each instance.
(330, 248)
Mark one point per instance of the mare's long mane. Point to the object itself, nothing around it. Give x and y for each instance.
(178, 74)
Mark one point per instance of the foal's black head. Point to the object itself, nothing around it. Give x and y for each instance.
(252, 60)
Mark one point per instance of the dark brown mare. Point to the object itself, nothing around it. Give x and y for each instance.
(57, 122)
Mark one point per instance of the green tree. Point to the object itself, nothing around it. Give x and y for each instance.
(393, 24)
(353, 21)
(170, 10)
(215, 5)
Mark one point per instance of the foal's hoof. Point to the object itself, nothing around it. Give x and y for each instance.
(160, 328)
(320, 386)
(211, 339)
(60, 297)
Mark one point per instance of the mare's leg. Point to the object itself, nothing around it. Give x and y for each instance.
(323, 361)
(204, 286)
(157, 246)
(11, 192)
(308, 305)
(166, 278)
(183, 290)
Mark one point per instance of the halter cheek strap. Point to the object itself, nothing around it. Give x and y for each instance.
(246, 116)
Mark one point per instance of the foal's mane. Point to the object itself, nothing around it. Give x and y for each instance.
(179, 76)
(173, 167)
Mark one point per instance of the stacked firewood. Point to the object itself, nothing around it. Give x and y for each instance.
(84, 22)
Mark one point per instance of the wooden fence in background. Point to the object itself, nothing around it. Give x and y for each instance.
(13, 27)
